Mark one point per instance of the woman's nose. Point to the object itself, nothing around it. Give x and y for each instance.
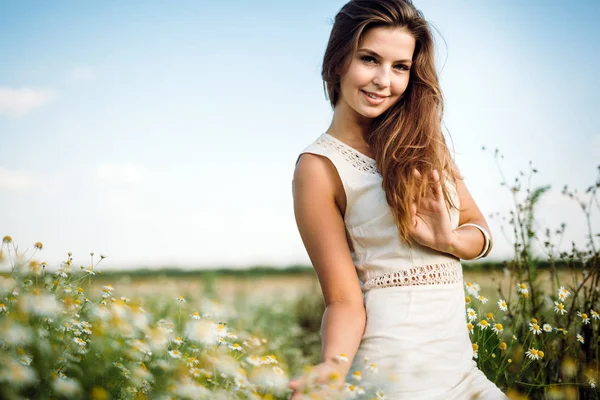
(382, 78)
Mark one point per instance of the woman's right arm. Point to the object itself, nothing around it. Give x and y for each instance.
(321, 226)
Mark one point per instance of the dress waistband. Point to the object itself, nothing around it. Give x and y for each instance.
(433, 274)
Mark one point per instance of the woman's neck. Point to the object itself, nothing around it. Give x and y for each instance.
(349, 127)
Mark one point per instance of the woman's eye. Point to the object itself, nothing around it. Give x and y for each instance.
(402, 67)
(367, 59)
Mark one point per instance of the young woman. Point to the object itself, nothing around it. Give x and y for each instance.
(384, 214)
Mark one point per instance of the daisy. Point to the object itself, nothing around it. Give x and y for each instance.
(175, 353)
(584, 317)
(381, 396)
(341, 358)
(178, 340)
(181, 299)
(483, 324)
(475, 349)
(535, 328)
(373, 368)
(594, 314)
(522, 288)
(533, 354)
(195, 315)
(502, 305)
(563, 293)
(472, 288)
(498, 328)
(564, 331)
(467, 299)
(80, 342)
(547, 328)
(3, 308)
(559, 308)
(482, 299)
(357, 376)
(592, 383)
(471, 314)
(489, 316)
(470, 327)
(580, 338)
(502, 346)
(236, 347)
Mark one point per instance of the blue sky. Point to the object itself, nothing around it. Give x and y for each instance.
(166, 133)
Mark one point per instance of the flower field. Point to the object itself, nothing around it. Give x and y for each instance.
(68, 333)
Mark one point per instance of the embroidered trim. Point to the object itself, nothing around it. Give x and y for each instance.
(434, 274)
(354, 157)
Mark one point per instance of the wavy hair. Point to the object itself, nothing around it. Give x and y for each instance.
(408, 135)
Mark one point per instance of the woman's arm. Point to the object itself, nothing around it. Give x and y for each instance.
(468, 241)
(321, 226)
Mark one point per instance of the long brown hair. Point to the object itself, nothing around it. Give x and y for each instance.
(408, 135)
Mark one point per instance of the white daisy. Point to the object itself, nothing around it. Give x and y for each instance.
(559, 308)
(580, 339)
(175, 353)
(471, 314)
(535, 328)
(547, 328)
(502, 305)
(483, 324)
(482, 299)
(498, 328)
(594, 314)
(584, 317)
(522, 288)
(533, 354)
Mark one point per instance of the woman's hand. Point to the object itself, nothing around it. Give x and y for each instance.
(431, 225)
(329, 375)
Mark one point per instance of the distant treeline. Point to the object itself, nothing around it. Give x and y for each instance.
(257, 271)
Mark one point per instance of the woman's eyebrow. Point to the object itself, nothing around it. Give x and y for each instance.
(371, 52)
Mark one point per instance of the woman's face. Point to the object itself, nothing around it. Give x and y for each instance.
(378, 73)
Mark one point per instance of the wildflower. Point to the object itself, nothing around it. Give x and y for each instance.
(592, 383)
(90, 270)
(195, 315)
(80, 341)
(3, 308)
(470, 327)
(584, 317)
(357, 376)
(540, 354)
(373, 368)
(472, 288)
(471, 314)
(6, 239)
(533, 354)
(594, 314)
(547, 328)
(178, 340)
(502, 305)
(341, 358)
(564, 331)
(498, 328)
(483, 324)
(535, 328)
(253, 360)
(181, 299)
(482, 299)
(502, 346)
(236, 347)
(522, 288)
(489, 316)
(175, 353)
(380, 395)
(467, 299)
(195, 372)
(559, 308)
(563, 293)
(271, 359)
(580, 339)
(475, 349)
(38, 245)
(66, 387)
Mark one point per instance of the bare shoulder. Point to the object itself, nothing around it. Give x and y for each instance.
(321, 226)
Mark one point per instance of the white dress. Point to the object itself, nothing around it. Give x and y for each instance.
(416, 330)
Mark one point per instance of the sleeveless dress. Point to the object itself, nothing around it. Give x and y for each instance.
(416, 331)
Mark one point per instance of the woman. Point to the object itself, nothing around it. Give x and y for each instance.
(384, 214)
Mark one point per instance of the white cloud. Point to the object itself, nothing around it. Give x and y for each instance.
(18, 102)
(124, 173)
(82, 74)
(15, 181)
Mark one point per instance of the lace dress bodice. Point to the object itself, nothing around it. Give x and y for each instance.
(382, 258)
